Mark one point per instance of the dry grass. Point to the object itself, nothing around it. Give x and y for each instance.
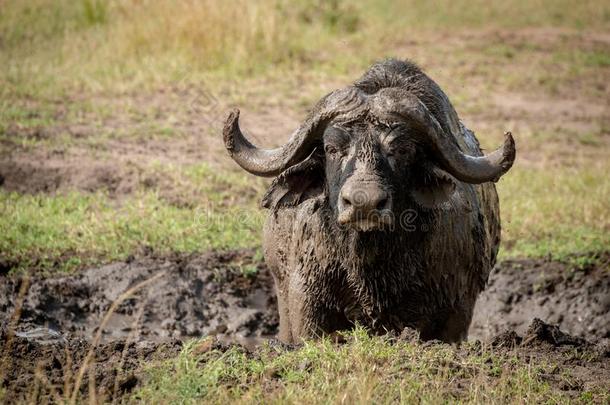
(56, 45)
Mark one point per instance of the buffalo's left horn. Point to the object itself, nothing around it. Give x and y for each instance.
(470, 169)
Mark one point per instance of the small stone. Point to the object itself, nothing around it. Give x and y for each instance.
(204, 346)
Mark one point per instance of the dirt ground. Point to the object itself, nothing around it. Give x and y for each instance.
(205, 294)
(211, 294)
(41, 370)
(195, 296)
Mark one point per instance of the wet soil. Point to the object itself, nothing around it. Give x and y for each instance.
(220, 293)
(578, 300)
(578, 365)
(230, 295)
(44, 367)
(226, 294)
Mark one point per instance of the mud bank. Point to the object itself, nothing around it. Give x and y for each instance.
(578, 300)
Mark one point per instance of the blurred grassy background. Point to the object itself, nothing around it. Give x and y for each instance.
(143, 85)
(97, 44)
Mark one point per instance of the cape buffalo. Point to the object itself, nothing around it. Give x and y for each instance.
(382, 212)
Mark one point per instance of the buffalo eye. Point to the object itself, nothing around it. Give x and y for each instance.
(332, 151)
(394, 141)
(336, 141)
(399, 151)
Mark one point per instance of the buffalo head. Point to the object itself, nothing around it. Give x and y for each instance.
(368, 152)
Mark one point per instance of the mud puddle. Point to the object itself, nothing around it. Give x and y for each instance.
(230, 294)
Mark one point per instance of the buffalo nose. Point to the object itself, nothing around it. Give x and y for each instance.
(364, 200)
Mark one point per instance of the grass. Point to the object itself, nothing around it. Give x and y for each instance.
(50, 47)
(560, 214)
(66, 232)
(555, 213)
(366, 369)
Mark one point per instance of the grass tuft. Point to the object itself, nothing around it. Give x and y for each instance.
(67, 232)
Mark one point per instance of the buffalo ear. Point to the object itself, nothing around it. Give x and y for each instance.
(434, 188)
(296, 184)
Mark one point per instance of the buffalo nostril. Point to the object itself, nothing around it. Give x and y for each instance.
(382, 204)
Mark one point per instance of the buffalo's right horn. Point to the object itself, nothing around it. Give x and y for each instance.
(271, 162)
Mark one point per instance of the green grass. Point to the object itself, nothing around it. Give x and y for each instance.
(555, 213)
(366, 369)
(559, 214)
(68, 231)
(74, 230)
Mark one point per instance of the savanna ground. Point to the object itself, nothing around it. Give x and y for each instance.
(112, 171)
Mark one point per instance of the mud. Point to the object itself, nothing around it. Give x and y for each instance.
(230, 295)
(194, 296)
(578, 300)
(579, 365)
(36, 370)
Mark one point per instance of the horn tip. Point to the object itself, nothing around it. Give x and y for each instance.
(231, 125)
(509, 151)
